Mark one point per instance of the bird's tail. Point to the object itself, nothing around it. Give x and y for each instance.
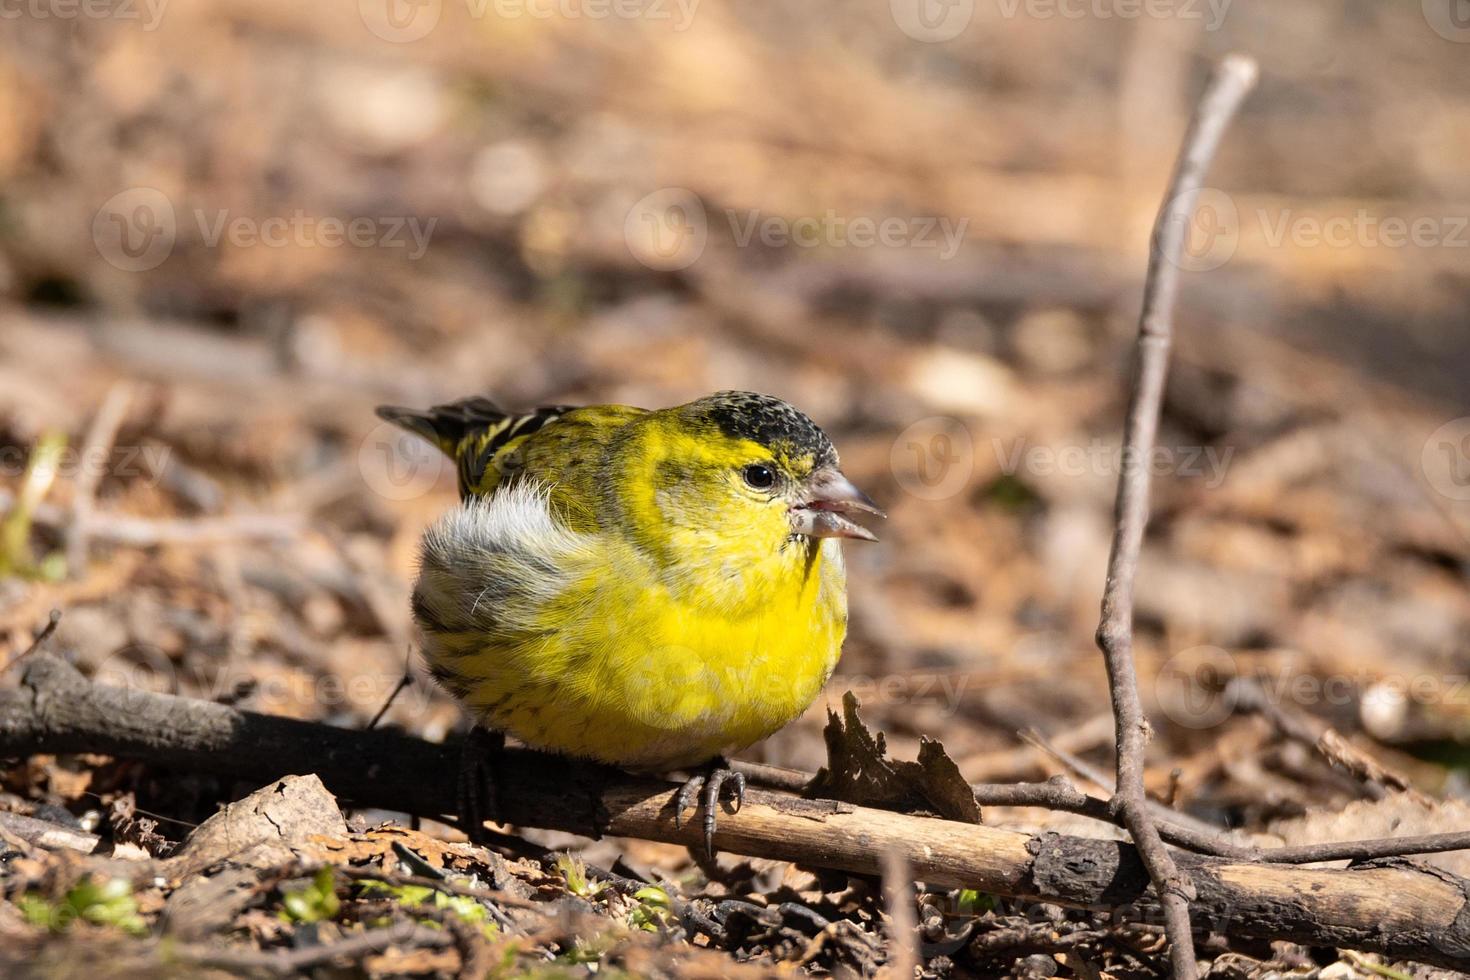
(447, 425)
(473, 432)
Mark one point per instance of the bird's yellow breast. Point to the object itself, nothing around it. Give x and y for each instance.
(626, 672)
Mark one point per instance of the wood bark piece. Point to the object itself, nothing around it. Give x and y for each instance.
(1395, 907)
(271, 825)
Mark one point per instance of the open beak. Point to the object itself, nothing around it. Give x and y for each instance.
(829, 497)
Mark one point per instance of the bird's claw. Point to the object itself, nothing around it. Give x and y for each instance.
(719, 779)
(477, 794)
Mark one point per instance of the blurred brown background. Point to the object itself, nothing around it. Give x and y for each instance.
(235, 227)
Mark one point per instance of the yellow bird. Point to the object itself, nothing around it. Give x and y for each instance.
(648, 589)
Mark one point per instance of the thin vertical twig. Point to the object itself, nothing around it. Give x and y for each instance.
(903, 925)
(92, 466)
(1232, 80)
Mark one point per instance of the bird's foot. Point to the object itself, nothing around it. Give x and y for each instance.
(717, 780)
(476, 793)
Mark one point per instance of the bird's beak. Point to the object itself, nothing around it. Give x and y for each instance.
(827, 498)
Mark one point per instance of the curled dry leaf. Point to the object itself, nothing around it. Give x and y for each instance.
(859, 771)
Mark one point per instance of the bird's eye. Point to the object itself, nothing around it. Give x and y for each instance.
(759, 476)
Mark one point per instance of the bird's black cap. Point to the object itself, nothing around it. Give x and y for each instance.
(769, 421)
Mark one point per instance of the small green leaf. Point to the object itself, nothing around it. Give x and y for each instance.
(108, 902)
(653, 910)
(574, 873)
(316, 902)
(968, 901)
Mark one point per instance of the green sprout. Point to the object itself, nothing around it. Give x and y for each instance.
(413, 896)
(15, 528)
(968, 901)
(316, 902)
(574, 873)
(653, 910)
(108, 902)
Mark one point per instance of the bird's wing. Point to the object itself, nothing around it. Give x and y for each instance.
(489, 571)
(571, 457)
(563, 449)
(473, 432)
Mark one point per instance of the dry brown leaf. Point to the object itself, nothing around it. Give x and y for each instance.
(859, 771)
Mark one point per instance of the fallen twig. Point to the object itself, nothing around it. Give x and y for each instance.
(291, 962)
(45, 834)
(37, 642)
(1232, 80)
(144, 532)
(1398, 909)
(1163, 815)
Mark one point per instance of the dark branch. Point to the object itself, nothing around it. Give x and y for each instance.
(1399, 910)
